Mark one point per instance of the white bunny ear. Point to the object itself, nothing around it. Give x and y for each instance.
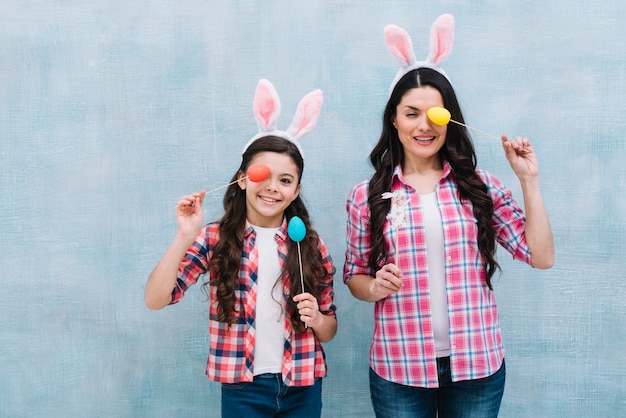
(266, 106)
(306, 115)
(399, 43)
(441, 37)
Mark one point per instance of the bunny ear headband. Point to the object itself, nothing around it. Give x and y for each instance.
(399, 44)
(266, 109)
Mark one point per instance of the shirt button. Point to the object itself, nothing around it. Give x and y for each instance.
(453, 347)
(448, 258)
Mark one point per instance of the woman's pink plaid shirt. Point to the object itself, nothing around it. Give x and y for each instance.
(403, 347)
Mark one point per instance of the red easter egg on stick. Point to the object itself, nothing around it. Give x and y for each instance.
(258, 172)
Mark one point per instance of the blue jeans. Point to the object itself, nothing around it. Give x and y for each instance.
(479, 398)
(268, 396)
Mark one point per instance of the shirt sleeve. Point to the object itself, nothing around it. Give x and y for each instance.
(325, 289)
(358, 245)
(193, 265)
(508, 220)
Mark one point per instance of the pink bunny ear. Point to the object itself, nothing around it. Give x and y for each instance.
(441, 37)
(266, 106)
(306, 114)
(399, 43)
(266, 109)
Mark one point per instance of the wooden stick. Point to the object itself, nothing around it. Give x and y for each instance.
(300, 264)
(301, 275)
(476, 129)
(396, 248)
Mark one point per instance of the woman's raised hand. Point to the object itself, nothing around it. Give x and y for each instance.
(521, 156)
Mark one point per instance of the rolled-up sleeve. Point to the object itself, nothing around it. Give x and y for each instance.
(509, 220)
(358, 245)
(194, 264)
(325, 289)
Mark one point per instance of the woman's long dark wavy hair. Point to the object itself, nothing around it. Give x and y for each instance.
(225, 263)
(458, 150)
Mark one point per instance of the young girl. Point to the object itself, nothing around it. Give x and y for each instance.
(266, 331)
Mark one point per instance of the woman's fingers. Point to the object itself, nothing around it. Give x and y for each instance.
(388, 281)
(390, 277)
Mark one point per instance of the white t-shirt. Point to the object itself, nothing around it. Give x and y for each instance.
(270, 328)
(436, 272)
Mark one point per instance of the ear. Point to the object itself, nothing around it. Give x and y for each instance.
(296, 194)
(266, 106)
(441, 38)
(399, 43)
(241, 180)
(307, 113)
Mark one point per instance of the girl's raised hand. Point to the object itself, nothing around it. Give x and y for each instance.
(308, 309)
(189, 215)
(521, 156)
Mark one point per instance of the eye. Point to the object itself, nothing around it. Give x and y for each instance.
(285, 180)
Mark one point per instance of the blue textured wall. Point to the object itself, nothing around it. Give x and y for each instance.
(109, 111)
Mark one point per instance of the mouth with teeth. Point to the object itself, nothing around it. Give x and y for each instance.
(424, 140)
(268, 199)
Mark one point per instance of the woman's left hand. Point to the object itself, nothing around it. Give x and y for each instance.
(308, 309)
(521, 156)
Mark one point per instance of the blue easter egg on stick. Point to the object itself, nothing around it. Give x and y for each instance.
(296, 229)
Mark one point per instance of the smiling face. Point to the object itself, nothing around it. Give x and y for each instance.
(420, 138)
(267, 200)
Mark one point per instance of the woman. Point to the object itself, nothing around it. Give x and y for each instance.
(437, 345)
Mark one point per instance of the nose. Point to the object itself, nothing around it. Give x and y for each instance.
(423, 123)
(271, 184)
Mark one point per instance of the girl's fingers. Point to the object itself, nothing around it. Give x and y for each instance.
(192, 199)
(202, 194)
(303, 296)
(307, 305)
(308, 314)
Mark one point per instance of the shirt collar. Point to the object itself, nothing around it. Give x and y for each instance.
(282, 230)
(397, 172)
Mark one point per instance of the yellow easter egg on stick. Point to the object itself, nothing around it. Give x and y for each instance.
(438, 115)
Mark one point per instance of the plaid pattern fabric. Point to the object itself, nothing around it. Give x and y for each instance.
(231, 353)
(403, 348)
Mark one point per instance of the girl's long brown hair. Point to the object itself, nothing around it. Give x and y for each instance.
(225, 263)
(458, 151)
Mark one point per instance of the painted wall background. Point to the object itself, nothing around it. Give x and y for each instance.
(109, 111)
